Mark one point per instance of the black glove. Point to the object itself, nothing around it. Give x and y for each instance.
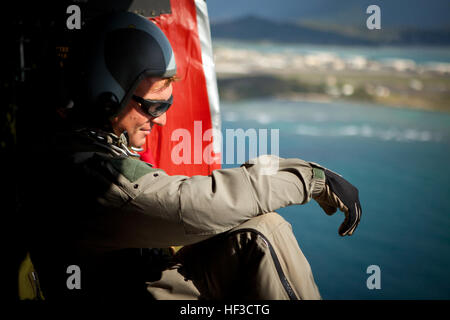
(339, 193)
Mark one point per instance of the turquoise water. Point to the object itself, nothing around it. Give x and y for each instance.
(400, 161)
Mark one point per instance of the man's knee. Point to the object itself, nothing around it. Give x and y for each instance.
(264, 224)
(279, 257)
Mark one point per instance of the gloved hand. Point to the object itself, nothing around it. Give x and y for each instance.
(340, 194)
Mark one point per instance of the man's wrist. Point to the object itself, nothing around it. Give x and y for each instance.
(318, 180)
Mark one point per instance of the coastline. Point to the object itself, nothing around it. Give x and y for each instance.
(246, 73)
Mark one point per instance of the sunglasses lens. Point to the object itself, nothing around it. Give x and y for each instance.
(158, 109)
(152, 107)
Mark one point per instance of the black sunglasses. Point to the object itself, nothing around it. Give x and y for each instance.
(154, 108)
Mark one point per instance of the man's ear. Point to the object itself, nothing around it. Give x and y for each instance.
(115, 124)
(114, 120)
(118, 117)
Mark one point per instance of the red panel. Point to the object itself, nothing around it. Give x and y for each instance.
(190, 97)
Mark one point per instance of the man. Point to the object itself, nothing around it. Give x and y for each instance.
(113, 216)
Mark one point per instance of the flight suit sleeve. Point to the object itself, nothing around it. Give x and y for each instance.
(178, 210)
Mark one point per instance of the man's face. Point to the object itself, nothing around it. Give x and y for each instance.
(137, 123)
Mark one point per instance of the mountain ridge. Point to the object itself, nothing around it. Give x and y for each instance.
(256, 28)
(418, 14)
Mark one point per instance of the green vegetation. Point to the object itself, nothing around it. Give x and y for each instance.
(427, 91)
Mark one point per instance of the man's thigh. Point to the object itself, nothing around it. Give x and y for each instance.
(260, 259)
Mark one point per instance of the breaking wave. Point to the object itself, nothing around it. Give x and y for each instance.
(367, 131)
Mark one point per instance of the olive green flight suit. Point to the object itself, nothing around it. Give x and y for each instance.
(235, 245)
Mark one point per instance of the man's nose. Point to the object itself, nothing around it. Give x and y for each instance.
(161, 120)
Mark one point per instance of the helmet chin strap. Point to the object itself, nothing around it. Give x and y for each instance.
(119, 145)
(127, 142)
(124, 142)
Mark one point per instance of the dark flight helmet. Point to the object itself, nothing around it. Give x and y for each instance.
(122, 49)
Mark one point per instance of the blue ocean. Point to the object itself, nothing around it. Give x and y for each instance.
(400, 161)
